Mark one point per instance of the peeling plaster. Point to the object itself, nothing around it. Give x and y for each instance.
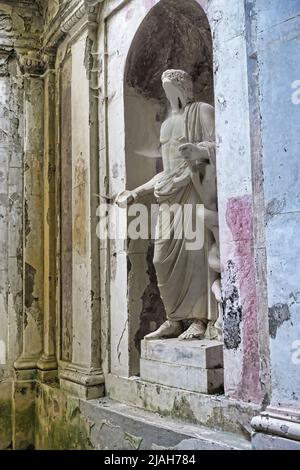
(232, 308)
(278, 314)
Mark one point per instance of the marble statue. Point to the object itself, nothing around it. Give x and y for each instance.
(188, 280)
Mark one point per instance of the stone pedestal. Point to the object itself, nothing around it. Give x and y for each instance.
(189, 365)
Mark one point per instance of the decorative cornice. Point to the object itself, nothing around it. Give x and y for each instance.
(77, 15)
(68, 16)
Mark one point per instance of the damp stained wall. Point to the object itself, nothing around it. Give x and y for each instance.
(279, 55)
(20, 205)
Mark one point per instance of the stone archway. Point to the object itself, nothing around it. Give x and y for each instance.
(234, 183)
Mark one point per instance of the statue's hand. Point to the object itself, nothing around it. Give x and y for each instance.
(125, 198)
(194, 154)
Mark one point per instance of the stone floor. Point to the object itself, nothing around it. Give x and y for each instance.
(119, 426)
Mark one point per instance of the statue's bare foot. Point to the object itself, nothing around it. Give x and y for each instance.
(195, 331)
(169, 329)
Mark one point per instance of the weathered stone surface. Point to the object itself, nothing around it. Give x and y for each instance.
(183, 377)
(6, 414)
(65, 422)
(59, 421)
(195, 365)
(206, 354)
(117, 426)
(278, 42)
(214, 411)
(66, 211)
(24, 394)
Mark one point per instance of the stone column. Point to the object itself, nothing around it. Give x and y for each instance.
(10, 228)
(245, 321)
(47, 363)
(31, 260)
(33, 263)
(83, 375)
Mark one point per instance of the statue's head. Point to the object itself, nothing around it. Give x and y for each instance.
(182, 82)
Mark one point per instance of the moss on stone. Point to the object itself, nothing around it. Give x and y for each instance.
(24, 426)
(60, 424)
(5, 424)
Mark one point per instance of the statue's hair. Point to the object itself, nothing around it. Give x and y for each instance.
(183, 80)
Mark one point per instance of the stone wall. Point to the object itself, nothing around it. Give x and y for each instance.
(278, 49)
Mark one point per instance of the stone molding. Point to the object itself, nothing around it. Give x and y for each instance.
(282, 422)
(67, 17)
(84, 383)
(82, 376)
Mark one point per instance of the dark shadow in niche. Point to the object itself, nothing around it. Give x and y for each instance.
(153, 310)
(173, 35)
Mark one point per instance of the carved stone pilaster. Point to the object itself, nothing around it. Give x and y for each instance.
(32, 67)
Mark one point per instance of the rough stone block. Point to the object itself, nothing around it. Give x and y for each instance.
(201, 353)
(196, 365)
(182, 377)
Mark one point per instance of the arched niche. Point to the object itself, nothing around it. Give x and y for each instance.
(172, 35)
(236, 148)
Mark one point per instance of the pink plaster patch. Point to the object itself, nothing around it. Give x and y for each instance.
(239, 217)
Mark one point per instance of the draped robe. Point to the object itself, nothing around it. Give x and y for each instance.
(183, 274)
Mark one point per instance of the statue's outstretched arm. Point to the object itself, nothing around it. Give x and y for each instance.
(125, 198)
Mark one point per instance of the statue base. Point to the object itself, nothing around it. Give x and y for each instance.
(195, 365)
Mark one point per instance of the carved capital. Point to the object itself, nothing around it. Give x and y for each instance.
(31, 62)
